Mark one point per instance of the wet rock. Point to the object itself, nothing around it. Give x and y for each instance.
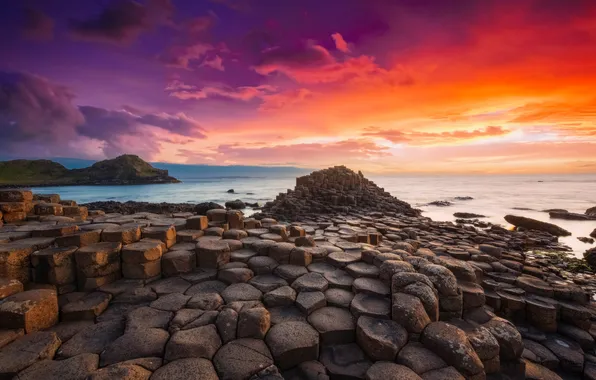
(292, 343)
(242, 358)
(380, 339)
(570, 354)
(533, 224)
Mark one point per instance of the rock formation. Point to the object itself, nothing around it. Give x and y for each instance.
(340, 293)
(123, 170)
(533, 224)
(334, 190)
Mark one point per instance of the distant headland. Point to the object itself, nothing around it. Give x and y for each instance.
(123, 170)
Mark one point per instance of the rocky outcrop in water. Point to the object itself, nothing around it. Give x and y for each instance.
(123, 170)
(533, 224)
(334, 190)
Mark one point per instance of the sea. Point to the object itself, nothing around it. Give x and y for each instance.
(492, 195)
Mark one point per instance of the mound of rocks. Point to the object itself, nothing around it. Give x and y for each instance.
(334, 190)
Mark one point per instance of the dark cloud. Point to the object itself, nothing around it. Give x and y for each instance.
(306, 54)
(38, 117)
(122, 21)
(37, 25)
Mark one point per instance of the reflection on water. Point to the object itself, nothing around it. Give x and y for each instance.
(494, 196)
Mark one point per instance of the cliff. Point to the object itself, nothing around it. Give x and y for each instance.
(123, 170)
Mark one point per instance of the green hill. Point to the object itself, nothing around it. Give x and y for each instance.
(123, 170)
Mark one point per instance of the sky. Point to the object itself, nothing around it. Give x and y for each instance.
(385, 86)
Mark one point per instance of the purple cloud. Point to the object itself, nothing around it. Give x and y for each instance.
(122, 21)
(37, 25)
(38, 117)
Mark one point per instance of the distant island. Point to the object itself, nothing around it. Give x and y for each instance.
(123, 170)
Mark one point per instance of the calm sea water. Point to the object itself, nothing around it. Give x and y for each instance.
(494, 195)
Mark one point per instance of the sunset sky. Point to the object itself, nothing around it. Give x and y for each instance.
(433, 86)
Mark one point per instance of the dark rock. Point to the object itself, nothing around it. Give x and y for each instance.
(242, 358)
(292, 343)
(381, 339)
(235, 204)
(467, 215)
(390, 371)
(191, 368)
(533, 224)
(346, 361)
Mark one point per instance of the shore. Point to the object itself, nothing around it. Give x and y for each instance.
(333, 278)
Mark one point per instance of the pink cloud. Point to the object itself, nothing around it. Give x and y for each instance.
(431, 138)
(215, 63)
(284, 99)
(340, 43)
(245, 93)
(304, 154)
(180, 56)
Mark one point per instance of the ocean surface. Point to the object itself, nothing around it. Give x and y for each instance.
(493, 195)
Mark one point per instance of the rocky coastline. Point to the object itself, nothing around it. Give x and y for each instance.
(335, 279)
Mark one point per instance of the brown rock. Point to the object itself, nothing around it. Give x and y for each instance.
(27, 350)
(31, 310)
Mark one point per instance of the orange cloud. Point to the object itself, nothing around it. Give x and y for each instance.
(340, 43)
(432, 138)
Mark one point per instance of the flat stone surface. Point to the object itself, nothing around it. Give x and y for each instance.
(27, 350)
(200, 342)
(135, 344)
(390, 371)
(77, 367)
(310, 282)
(267, 282)
(92, 339)
(281, 314)
(343, 259)
(262, 264)
(372, 306)
(235, 275)
(170, 285)
(371, 286)
(345, 361)
(334, 325)
(171, 302)
(242, 358)
(361, 269)
(308, 302)
(339, 297)
(205, 301)
(290, 272)
(192, 368)
(241, 292)
(88, 307)
(212, 286)
(339, 279)
(381, 339)
(121, 371)
(147, 317)
(292, 343)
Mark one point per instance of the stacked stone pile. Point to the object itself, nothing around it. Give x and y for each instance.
(19, 205)
(336, 189)
(334, 296)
